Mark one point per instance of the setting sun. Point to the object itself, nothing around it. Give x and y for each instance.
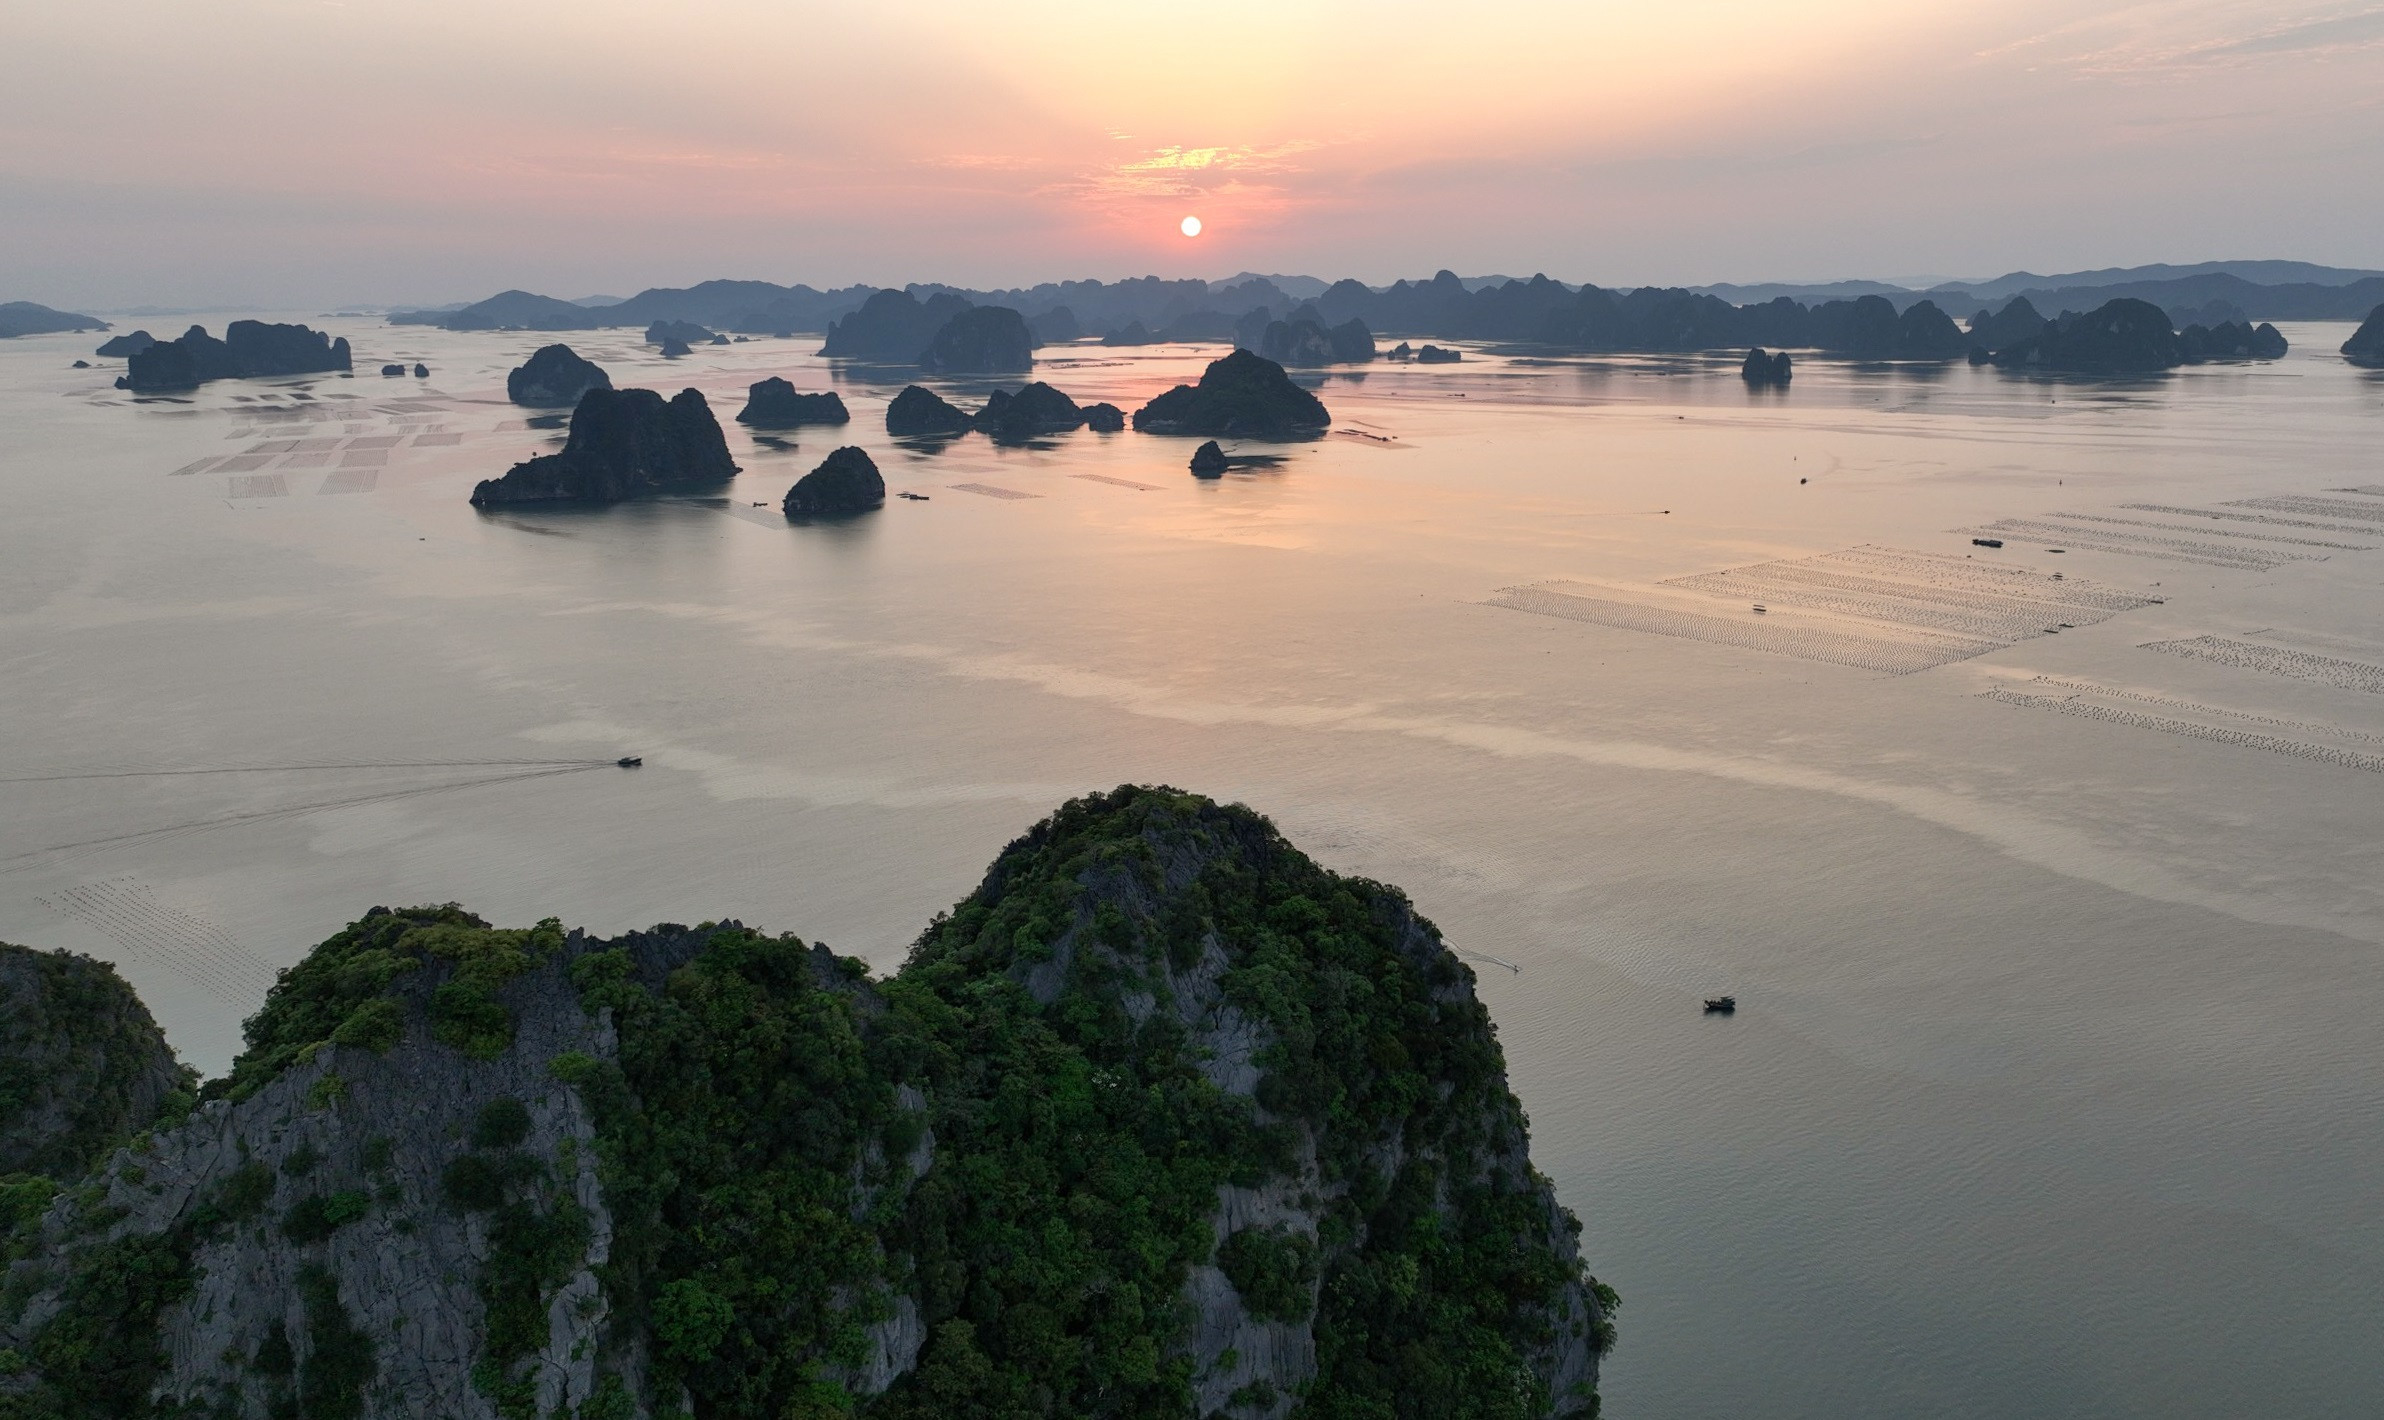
(1191, 226)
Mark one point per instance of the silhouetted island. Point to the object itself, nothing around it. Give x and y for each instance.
(982, 340)
(1103, 418)
(1243, 395)
(1056, 326)
(2016, 323)
(919, 410)
(2125, 336)
(1304, 339)
(1208, 461)
(30, 318)
(2365, 348)
(774, 404)
(1035, 409)
(2230, 340)
(687, 332)
(555, 375)
(1764, 368)
(249, 349)
(846, 481)
(125, 346)
(892, 326)
(1132, 333)
(673, 347)
(623, 443)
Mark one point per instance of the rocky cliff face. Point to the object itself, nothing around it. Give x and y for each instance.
(1162, 1120)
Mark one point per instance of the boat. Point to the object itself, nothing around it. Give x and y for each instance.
(1721, 1005)
(630, 761)
(1760, 607)
(1986, 542)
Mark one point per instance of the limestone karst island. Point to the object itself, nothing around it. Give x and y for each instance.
(1311, 712)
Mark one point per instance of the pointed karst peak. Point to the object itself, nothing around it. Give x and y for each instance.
(1207, 1109)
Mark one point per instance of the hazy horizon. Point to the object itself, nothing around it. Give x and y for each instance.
(311, 153)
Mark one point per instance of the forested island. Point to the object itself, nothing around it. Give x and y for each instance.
(1164, 1119)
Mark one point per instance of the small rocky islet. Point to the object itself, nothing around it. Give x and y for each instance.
(774, 403)
(1244, 395)
(622, 444)
(461, 1169)
(1762, 368)
(630, 443)
(554, 375)
(1036, 409)
(847, 481)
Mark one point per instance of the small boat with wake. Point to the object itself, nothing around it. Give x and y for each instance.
(1721, 1005)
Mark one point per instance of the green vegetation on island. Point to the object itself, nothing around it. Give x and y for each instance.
(1163, 1120)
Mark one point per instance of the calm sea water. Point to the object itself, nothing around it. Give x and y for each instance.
(2053, 1088)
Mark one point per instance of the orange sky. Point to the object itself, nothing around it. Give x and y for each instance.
(322, 152)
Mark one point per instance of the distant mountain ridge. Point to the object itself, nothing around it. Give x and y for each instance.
(2258, 273)
(2254, 290)
(1868, 319)
(28, 318)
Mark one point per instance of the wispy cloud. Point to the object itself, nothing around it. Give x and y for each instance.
(1194, 172)
(2186, 37)
(2364, 30)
